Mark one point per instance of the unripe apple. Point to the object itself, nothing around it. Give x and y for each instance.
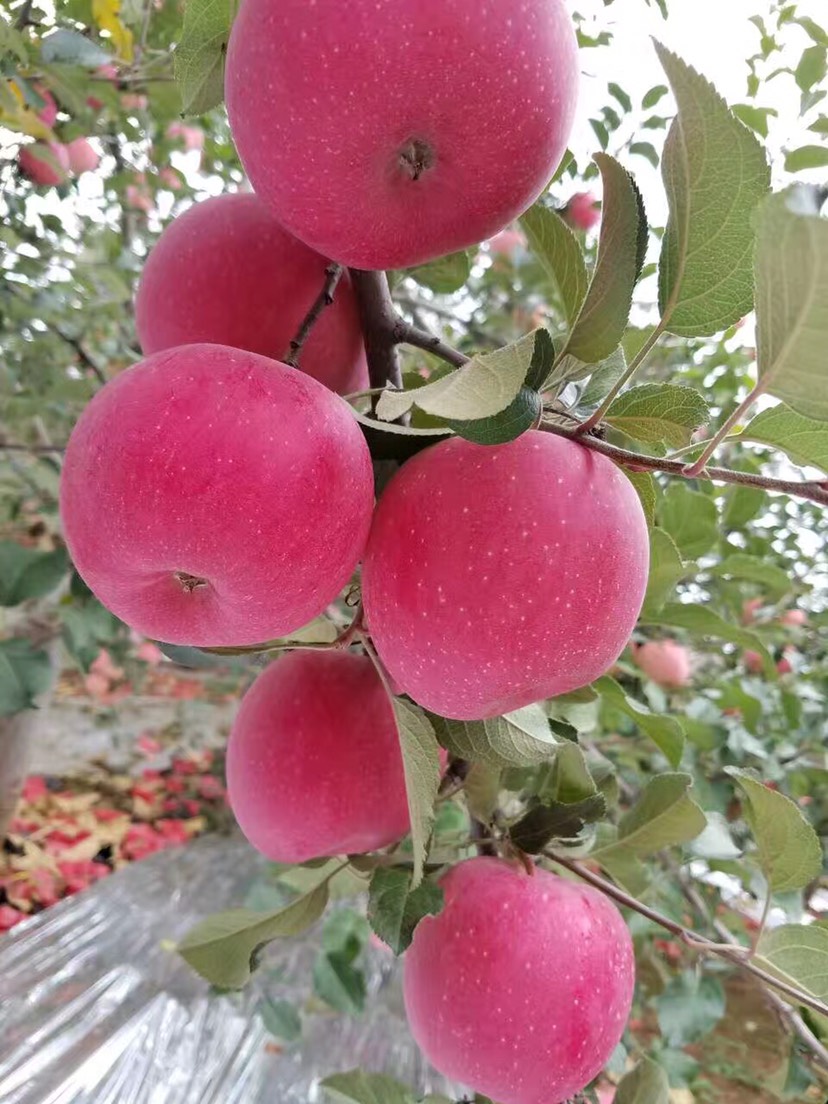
(313, 764)
(82, 156)
(45, 163)
(795, 618)
(213, 497)
(384, 135)
(753, 662)
(665, 662)
(226, 272)
(520, 988)
(497, 576)
(582, 211)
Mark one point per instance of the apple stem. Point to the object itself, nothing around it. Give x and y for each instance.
(333, 274)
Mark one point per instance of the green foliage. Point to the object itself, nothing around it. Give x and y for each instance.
(394, 909)
(421, 760)
(26, 574)
(25, 673)
(646, 1084)
(199, 56)
(517, 739)
(715, 173)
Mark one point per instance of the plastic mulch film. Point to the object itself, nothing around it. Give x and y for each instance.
(95, 1007)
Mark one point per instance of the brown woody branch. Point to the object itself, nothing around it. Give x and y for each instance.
(388, 329)
(730, 951)
(333, 274)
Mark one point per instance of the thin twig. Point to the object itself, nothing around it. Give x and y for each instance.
(333, 274)
(698, 466)
(814, 492)
(14, 446)
(730, 951)
(789, 1015)
(386, 329)
(84, 357)
(634, 365)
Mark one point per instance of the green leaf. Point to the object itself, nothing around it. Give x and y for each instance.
(421, 761)
(485, 386)
(603, 378)
(570, 780)
(805, 440)
(281, 1019)
(755, 117)
(646, 150)
(518, 739)
(394, 911)
(768, 575)
(26, 574)
(555, 820)
(703, 622)
(691, 519)
(666, 569)
(67, 47)
(646, 1084)
(689, 1008)
(654, 95)
(25, 674)
(715, 173)
(560, 255)
(224, 947)
(200, 55)
(792, 302)
(812, 67)
(665, 732)
(798, 955)
(605, 313)
(742, 504)
(663, 816)
(646, 490)
(446, 274)
(481, 788)
(357, 1087)
(339, 983)
(790, 853)
(659, 412)
(619, 94)
(806, 157)
(525, 410)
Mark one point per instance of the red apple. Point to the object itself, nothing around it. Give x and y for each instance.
(213, 497)
(384, 135)
(582, 211)
(313, 764)
(784, 666)
(191, 136)
(48, 113)
(507, 242)
(226, 272)
(45, 163)
(520, 988)
(753, 662)
(665, 662)
(795, 618)
(82, 156)
(497, 576)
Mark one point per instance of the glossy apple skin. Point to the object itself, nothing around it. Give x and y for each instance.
(520, 988)
(326, 99)
(226, 272)
(498, 576)
(665, 662)
(82, 156)
(226, 467)
(313, 764)
(34, 163)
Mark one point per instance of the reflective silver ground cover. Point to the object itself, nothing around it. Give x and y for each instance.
(96, 1009)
